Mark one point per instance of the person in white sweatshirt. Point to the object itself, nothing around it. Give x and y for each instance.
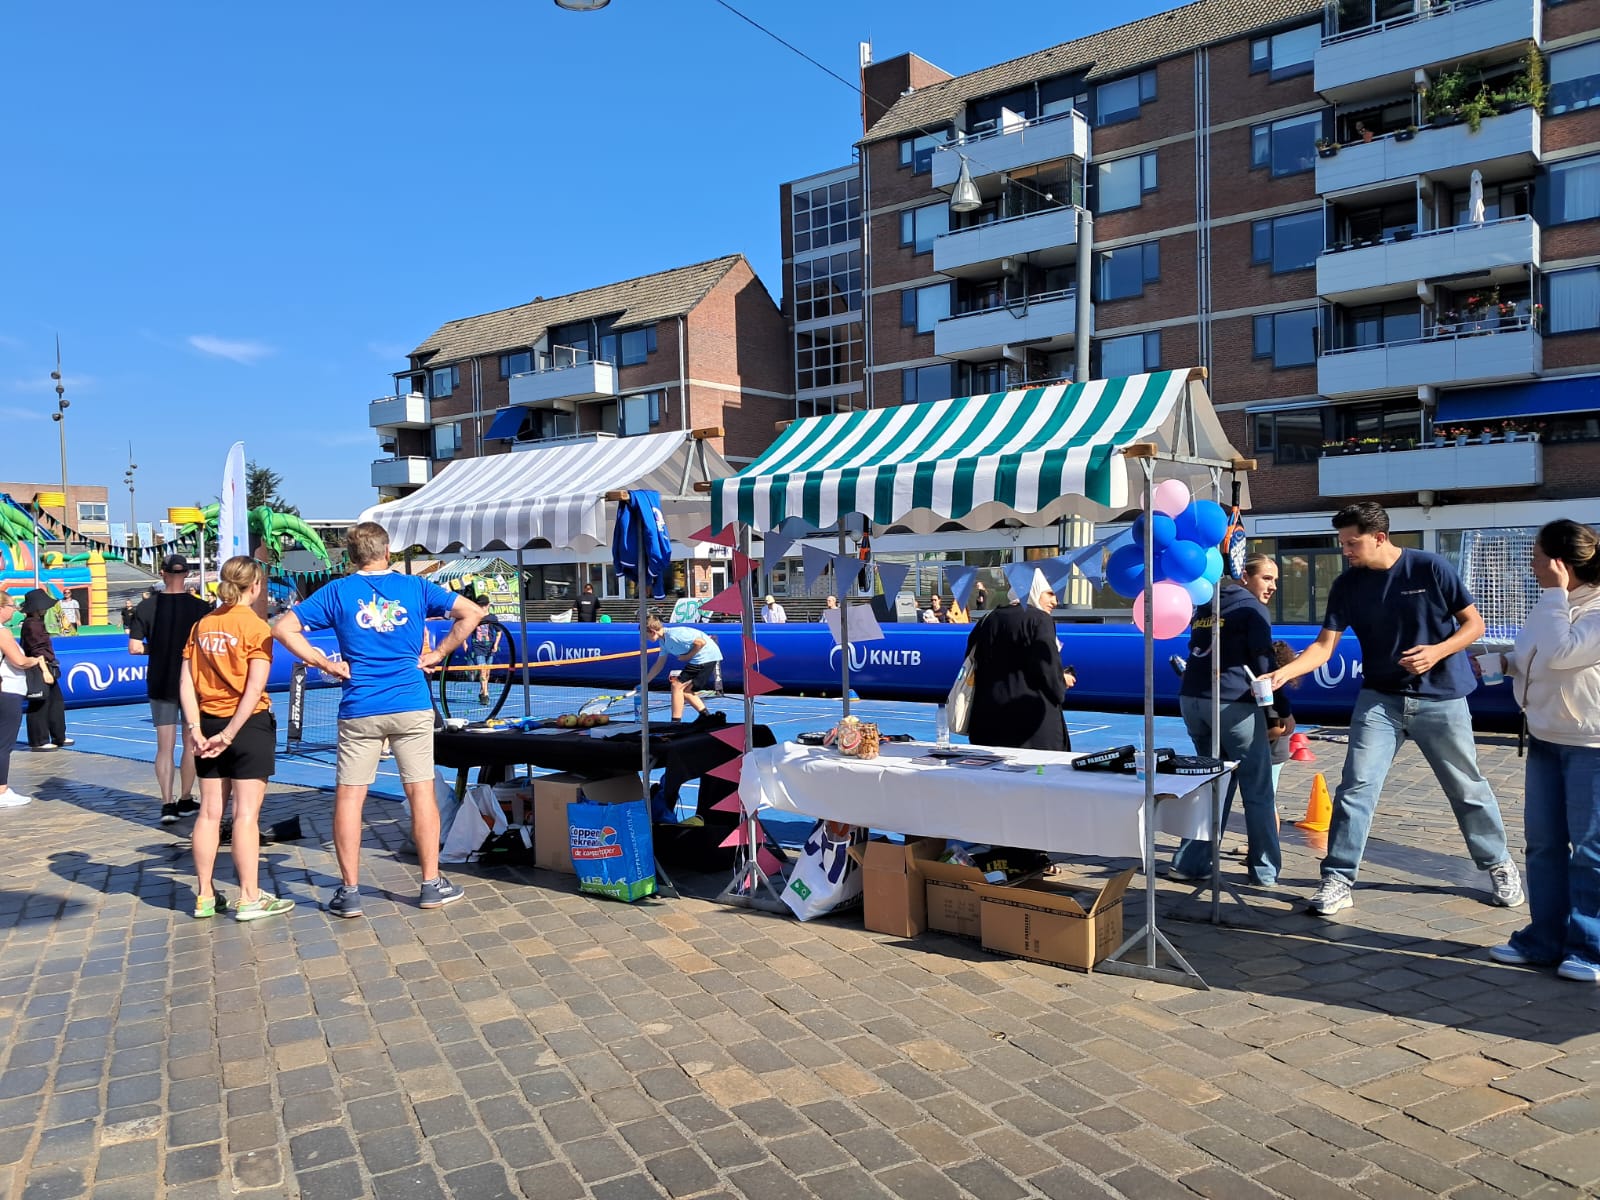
(1555, 669)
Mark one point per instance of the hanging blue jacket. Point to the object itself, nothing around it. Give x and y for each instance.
(642, 529)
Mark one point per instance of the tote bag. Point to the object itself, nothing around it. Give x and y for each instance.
(37, 682)
(958, 705)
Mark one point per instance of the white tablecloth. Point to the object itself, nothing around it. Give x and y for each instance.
(1061, 810)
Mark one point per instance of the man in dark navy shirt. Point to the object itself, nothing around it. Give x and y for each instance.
(1414, 618)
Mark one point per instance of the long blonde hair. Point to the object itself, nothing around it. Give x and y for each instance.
(238, 575)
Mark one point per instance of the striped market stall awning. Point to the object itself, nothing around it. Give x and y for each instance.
(1034, 455)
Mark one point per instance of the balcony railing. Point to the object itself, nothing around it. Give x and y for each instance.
(405, 471)
(567, 377)
(1423, 9)
(1502, 248)
(1047, 321)
(1049, 236)
(1450, 466)
(1483, 350)
(1358, 62)
(1505, 141)
(1013, 145)
(409, 411)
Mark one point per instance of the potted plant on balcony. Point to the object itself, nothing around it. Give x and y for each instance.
(1371, 445)
(1511, 431)
(1326, 147)
(1485, 435)
(1445, 324)
(1406, 134)
(1440, 436)
(1533, 81)
(1475, 108)
(1403, 234)
(1443, 98)
(1535, 314)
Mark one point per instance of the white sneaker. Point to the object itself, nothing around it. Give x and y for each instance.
(11, 798)
(1331, 897)
(1506, 885)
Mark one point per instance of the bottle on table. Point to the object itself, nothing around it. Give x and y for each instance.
(941, 727)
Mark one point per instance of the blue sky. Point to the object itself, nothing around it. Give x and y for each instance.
(238, 218)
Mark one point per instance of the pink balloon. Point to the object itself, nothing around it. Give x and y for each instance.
(1170, 607)
(1171, 497)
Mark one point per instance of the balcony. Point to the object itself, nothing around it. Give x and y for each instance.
(1015, 144)
(560, 386)
(1512, 351)
(411, 471)
(1499, 251)
(1047, 322)
(1452, 468)
(1383, 57)
(398, 412)
(1048, 238)
(1505, 145)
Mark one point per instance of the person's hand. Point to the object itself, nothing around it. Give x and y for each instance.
(197, 743)
(1552, 573)
(429, 660)
(1273, 680)
(335, 667)
(1071, 678)
(1419, 660)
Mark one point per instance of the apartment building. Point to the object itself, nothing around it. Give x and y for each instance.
(1377, 223)
(689, 348)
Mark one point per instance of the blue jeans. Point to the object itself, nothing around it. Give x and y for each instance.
(1562, 810)
(1442, 730)
(1243, 725)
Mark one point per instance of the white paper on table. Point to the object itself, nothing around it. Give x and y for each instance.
(864, 625)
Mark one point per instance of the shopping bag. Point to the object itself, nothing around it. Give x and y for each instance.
(444, 795)
(36, 683)
(611, 849)
(826, 879)
(958, 705)
(479, 818)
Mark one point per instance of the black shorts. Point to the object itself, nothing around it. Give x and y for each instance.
(253, 754)
(698, 676)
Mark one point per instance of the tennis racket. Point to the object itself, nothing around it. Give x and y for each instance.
(1235, 548)
(475, 680)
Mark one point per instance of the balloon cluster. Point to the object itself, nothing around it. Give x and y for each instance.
(1183, 534)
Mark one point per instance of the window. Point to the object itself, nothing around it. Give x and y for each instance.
(1286, 54)
(917, 152)
(1574, 79)
(1291, 436)
(1380, 324)
(828, 357)
(1121, 99)
(519, 363)
(1289, 339)
(91, 514)
(1131, 355)
(829, 286)
(1286, 147)
(1125, 182)
(925, 307)
(827, 216)
(921, 384)
(405, 385)
(637, 414)
(1122, 273)
(1572, 300)
(1575, 190)
(1289, 243)
(982, 379)
(919, 226)
(638, 345)
(447, 440)
(445, 380)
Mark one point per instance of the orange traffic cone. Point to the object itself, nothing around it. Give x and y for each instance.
(1300, 748)
(1319, 809)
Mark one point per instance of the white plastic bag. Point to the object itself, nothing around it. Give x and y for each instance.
(826, 878)
(958, 705)
(479, 816)
(444, 795)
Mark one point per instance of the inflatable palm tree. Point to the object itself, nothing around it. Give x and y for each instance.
(272, 527)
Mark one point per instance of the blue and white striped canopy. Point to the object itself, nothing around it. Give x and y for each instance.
(1034, 455)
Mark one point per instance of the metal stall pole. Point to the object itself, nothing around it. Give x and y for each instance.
(522, 627)
(844, 623)
(663, 880)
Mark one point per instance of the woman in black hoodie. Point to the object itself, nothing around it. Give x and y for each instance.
(47, 718)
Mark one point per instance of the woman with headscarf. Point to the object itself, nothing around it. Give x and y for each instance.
(47, 718)
(14, 666)
(1019, 687)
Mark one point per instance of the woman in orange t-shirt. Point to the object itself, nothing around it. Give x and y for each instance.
(223, 692)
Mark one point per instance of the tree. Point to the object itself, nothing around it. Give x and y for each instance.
(261, 486)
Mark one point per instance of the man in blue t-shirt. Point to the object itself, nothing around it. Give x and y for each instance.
(702, 654)
(1414, 617)
(378, 618)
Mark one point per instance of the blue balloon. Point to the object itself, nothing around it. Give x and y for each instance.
(1125, 571)
(1200, 590)
(1213, 571)
(1163, 530)
(1182, 562)
(1204, 521)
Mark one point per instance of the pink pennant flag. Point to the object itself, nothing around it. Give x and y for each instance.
(729, 803)
(728, 770)
(732, 735)
(768, 862)
(743, 564)
(725, 601)
(737, 838)
(725, 537)
(757, 684)
(754, 653)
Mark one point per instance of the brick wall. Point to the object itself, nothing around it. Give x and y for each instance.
(737, 337)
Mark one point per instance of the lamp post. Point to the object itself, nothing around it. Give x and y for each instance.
(582, 5)
(59, 417)
(127, 478)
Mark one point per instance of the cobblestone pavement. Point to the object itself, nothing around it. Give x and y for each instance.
(530, 1042)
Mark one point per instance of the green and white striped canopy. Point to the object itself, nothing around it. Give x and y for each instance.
(1034, 455)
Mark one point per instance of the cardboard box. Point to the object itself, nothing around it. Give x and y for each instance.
(552, 837)
(1057, 917)
(950, 897)
(894, 896)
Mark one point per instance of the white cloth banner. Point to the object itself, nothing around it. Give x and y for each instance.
(233, 513)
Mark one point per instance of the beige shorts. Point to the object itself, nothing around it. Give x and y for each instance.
(410, 738)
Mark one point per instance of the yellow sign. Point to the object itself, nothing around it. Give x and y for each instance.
(50, 499)
(185, 516)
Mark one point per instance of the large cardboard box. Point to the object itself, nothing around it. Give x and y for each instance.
(894, 896)
(1057, 917)
(552, 838)
(951, 898)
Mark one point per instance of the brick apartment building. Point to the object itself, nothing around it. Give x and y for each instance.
(1376, 223)
(692, 347)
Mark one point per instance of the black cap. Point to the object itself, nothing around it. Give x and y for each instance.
(175, 564)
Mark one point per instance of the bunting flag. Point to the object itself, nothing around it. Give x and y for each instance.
(728, 770)
(1020, 577)
(743, 564)
(1057, 572)
(814, 561)
(769, 862)
(757, 684)
(741, 834)
(960, 580)
(893, 577)
(725, 601)
(846, 574)
(729, 803)
(753, 653)
(795, 527)
(730, 735)
(721, 537)
(774, 547)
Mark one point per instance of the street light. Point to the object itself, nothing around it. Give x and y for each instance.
(582, 5)
(59, 416)
(127, 478)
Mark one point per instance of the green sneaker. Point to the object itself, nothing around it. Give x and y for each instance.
(209, 906)
(264, 905)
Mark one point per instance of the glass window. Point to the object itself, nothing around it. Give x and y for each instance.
(1289, 243)
(1572, 300)
(1289, 339)
(828, 357)
(405, 385)
(827, 216)
(444, 381)
(925, 307)
(515, 364)
(1122, 273)
(1286, 54)
(917, 152)
(919, 226)
(1131, 355)
(1121, 99)
(1575, 190)
(638, 345)
(1574, 79)
(829, 286)
(1124, 182)
(94, 513)
(447, 440)
(1292, 436)
(921, 384)
(638, 413)
(1286, 147)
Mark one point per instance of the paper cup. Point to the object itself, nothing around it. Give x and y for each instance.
(1261, 689)
(1491, 668)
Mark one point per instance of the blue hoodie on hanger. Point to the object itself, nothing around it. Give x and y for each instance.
(642, 529)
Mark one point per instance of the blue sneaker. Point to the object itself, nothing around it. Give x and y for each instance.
(1577, 969)
(346, 902)
(436, 893)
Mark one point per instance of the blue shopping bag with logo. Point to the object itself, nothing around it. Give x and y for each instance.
(611, 849)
